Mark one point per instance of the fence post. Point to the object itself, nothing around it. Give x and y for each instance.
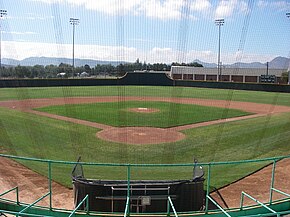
(168, 207)
(242, 201)
(49, 185)
(87, 204)
(207, 188)
(128, 187)
(272, 182)
(17, 196)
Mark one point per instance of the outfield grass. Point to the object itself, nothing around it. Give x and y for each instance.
(187, 92)
(29, 135)
(117, 113)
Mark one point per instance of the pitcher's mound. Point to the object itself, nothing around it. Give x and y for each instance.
(140, 135)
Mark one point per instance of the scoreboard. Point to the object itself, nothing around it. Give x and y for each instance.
(268, 79)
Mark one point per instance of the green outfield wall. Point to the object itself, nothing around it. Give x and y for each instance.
(141, 79)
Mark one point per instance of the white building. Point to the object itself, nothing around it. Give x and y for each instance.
(227, 74)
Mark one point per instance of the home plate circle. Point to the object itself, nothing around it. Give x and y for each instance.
(140, 135)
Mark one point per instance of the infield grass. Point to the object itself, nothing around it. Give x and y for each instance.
(167, 114)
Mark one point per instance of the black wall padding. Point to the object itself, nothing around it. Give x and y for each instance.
(187, 195)
(146, 79)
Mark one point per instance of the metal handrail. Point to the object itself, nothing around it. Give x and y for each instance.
(32, 204)
(257, 201)
(172, 206)
(86, 198)
(127, 207)
(218, 206)
(281, 192)
(146, 165)
(12, 189)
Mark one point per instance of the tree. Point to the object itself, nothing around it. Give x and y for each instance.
(87, 68)
(284, 77)
(22, 72)
(120, 70)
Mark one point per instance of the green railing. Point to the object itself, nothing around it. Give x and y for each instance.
(126, 213)
(129, 167)
(86, 199)
(257, 201)
(12, 189)
(170, 204)
(218, 206)
(22, 212)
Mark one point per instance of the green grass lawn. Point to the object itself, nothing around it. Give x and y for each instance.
(187, 92)
(168, 115)
(34, 136)
(29, 135)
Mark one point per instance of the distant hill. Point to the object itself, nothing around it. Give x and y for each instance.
(276, 63)
(280, 63)
(247, 65)
(31, 61)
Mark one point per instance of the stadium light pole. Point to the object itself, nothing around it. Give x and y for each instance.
(219, 23)
(73, 22)
(3, 13)
(288, 15)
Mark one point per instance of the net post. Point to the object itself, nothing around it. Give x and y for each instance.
(128, 187)
(272, 182)
(17, 196)
(50, 185)
(207, 188)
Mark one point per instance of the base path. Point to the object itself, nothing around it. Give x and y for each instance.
(31, 186)
(257, 185)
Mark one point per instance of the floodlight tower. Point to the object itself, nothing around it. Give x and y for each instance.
(288, 15)
(219, 23)
(73, 22)
(3, 13)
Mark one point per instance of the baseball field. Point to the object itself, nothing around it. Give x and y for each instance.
(144, 125)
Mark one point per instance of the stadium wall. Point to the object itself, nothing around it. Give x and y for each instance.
(143, 79)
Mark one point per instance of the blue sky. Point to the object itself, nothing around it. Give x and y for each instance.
(151, 30)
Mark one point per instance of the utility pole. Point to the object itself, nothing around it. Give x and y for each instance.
(219, 23)
(3, 13)
(73, 22)
(288, 15)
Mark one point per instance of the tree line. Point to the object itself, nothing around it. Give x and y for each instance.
(66, 70)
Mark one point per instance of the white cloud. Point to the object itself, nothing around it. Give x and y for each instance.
(280, 5)
(160, 9)
(226, 8)
(30, 17)
(22, 50)
(170, 9)
(19, 33)
(200, 5)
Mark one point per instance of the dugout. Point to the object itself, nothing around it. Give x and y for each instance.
(146, 196)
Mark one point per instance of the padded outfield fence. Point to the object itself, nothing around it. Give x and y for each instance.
(146, 79)
(212, 204)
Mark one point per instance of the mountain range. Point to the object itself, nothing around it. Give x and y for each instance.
(276, 63)
(31, 61)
